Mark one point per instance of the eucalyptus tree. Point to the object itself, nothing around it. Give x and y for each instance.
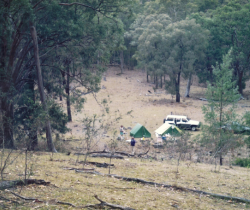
(229, 27)
(170, 48)
(57, 23)
(185, 43)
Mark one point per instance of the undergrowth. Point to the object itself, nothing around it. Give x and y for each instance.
(243, 162)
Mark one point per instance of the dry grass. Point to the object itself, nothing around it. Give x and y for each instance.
(128, 92)
(79, 188)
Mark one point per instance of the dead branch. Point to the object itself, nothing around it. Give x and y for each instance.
(66, 203)
(141, 154)
(10, 184)
(107, 156)
(103, 203)
(35, 199)
(101, 165)
(22, 197)
(3, 198)
(120, 153)
(83, 169)
(202, 99)
(225, 197)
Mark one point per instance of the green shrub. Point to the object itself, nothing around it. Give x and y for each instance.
(243, 162)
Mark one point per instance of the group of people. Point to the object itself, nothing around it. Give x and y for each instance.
(132, 142)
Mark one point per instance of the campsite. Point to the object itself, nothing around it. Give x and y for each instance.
(73, 184)
(125, 104)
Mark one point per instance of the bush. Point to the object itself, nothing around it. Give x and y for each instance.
(243, 162)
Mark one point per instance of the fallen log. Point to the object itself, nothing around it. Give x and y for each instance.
(100, 165)
(37, 200)
(104, 152)
(119, 153)
(108, 156)
(9, 184)
(85, 169)
(89, 153)
(225, 197)
(202, 99)
(141, 154)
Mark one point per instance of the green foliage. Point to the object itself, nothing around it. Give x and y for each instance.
(229, 27)
(246, 118)
(220, 110)
(242, 162)
(75, 42)
(168, 48)
(58, 118)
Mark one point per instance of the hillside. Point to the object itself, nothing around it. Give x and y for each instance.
(129, 94)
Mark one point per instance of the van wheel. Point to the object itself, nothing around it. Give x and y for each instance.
(193, 128)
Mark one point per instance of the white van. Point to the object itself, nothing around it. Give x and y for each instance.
(182, 122)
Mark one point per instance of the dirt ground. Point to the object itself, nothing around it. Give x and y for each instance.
(130, 99)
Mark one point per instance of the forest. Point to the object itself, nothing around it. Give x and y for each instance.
(57, 54)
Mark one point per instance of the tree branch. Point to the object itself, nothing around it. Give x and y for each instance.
(103, 203)
(37, 4)
(76, 3)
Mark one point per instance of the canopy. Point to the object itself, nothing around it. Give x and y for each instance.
(139, 131)
(166, 128)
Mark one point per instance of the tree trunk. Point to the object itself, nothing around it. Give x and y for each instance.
(129, 57)
(188, 86)
(33, 130)
(147, 77)
(6, 139)
(177, 88)
(210, 69)
(156, 82)
(121, 61)
(221, 160)
(68, 96)
(50, 144)
(161, 81)
(240, 82)
(60, 89)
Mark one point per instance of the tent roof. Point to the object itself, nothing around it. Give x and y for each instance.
(136, 128)
(139, 131)
(165, 128)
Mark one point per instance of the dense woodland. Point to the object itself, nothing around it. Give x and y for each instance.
(50, 48)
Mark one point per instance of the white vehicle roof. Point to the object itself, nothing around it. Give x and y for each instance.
(177, 116)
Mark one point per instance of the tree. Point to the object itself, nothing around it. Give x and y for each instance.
(219, 113)
(229, 27)
(58, 24)
(169, 48)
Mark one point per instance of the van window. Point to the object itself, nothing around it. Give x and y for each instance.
(170, 119)
(184, 120)
(178, 119)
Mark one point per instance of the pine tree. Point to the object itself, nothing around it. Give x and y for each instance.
(219, 113)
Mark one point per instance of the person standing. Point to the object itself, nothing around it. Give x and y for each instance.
(121, 131)
(132, 143)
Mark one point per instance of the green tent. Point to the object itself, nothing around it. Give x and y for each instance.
(139, 131)
(166, 128)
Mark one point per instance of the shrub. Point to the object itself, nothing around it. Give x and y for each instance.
(243, 162)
